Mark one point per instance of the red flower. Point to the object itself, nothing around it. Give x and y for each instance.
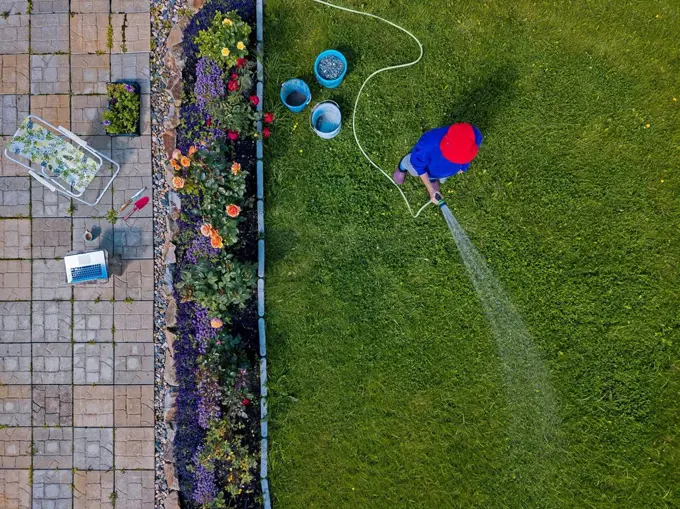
(241, 63)
(245, 401)
(266, 132)
(208, 122)
(268, 118)
(233, 135)
(233, 86)
(254, 100)
(234, 76)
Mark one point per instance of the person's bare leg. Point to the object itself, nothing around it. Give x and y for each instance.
(399, 175)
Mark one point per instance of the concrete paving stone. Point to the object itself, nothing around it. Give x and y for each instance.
(52, 489)
(136, 283)
(45, 203)
(15, 363)
(145, 114)
(53, 447)
(125, 187)
(52, 405)
(89, 33)
(15, 489)
(93, 363)
(91, 194)
(133, 321)
(52, 363)
(92, 321)
(15, 279)
(14, 73)
(132, 151)
(89, 6)
(14, 34)
(49, 33)
(14, 6)
(86, 114)
(55, 109)
(134, 240)
(101, 230)
(9, 168)
(15, 196)
(91, 292)
(51, 321)
(134, 405)
(51, 237)
(15, 322)
(15, 238)
(15, 405)
(134, 363)
(89, 74)
(49, 6)
(50, 74)
(137, 30)
(101, 143)
(93, 448)
(134, 451)
(93, 490)
(15, 447)
(134, 489)
(13, 111)
(131, 66)
(130, 6)
(49, 280)
(93, 405)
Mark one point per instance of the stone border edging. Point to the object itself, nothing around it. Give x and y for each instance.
(261, 325)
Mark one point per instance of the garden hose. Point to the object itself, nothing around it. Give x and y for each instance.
(356, 102)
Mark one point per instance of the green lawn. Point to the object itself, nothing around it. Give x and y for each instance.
(386, 387)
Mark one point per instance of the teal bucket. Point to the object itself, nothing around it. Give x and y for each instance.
(326, 119)
(295, 95)
(334, 83)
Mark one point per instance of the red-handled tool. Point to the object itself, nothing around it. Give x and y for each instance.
(139, 205)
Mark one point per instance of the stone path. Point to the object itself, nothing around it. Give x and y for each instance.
(76, 363)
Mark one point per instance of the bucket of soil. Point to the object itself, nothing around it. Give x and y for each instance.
(330, 68)
(295, 95)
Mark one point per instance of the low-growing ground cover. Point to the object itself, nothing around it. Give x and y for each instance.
(385, 380)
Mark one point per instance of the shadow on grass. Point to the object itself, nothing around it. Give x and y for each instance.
(485, 100)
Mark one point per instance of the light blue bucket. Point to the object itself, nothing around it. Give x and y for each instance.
(323, 81)
(326, 119)
(295, 95)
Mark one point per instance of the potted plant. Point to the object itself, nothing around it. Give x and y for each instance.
(122, 117)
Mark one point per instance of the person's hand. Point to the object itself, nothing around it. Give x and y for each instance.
(435, 197)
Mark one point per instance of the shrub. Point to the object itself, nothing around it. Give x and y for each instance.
(225, 40)
(220, 284)
(122, 117)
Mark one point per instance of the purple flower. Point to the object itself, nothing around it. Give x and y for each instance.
(205, 487)
(106, 122)
(209, 82)
(129, 88)
(114, 101)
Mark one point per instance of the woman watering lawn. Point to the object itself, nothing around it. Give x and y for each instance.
(440, 153)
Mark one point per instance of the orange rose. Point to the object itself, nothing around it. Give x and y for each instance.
(216, 242)
(175, 164)
(176, 154)
(206, 230)
(192, 150)
(185, 161)
(235, 168)
(233, 210)
(216, 323)
(177, 182)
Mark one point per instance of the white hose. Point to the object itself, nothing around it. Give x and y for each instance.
(356, 102)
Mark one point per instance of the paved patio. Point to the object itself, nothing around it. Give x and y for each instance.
(76, 363)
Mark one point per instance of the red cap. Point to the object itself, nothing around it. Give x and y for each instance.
(458, 145)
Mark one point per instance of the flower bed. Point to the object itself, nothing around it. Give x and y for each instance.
(216, 444)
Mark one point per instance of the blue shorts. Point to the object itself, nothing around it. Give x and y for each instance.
(405, 165)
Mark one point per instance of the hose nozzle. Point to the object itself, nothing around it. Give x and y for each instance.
(440, 200)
